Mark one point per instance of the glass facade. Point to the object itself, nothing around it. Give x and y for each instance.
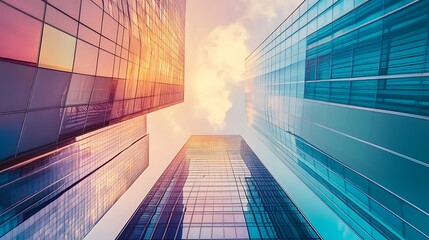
(76, 78)
(340, 92)
(79, 65)
(217, 188)
(63, 193)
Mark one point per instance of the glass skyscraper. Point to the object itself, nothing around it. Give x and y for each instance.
(217, 188)
(64, 192)
(69, 67)
(340, 92)
(76, 78)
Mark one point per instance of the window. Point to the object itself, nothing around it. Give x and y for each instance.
(91, 15)
(61, 21)
(71, 7)
(73, 121)
(34, 8)
(40, 128)
(15, 86)
(10, 129)
(101, 90)
(50, 88)
(105, 64)
(86, 58)
(80, 89)
(57, 50)
(89, 35)
(110, 27)
(20, 35)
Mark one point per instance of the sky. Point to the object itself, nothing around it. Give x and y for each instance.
(220, 34)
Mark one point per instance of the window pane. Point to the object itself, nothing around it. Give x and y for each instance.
(86, 58)
(34, 8)
(110, 27)
(242, 232)
(107, 45)
(119, 91)
(105, 64)
(15, 86)
(206, 233)
(117, 110)
(101, 90)
(217, 233)
(40, 128)
(61, 21)
(194, 233)
(89, 35)
(20, 35)
(57, 49)
(96, 116)
(74, 121)
(10, 129)
(80, 89)
(50, 88)
(71, 7)
(90, 15)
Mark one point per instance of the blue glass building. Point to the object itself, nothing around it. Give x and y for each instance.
(217, 188)
(340, 92)
(76, 80)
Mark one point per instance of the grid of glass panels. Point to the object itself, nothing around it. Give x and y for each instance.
(217, 188)
(339, 91)
(69, 67)
(63, 194)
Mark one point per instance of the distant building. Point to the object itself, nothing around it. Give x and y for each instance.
(217, 188)
(340, 92)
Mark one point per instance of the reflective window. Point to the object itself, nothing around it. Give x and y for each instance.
(117, 110)
(110, 27)
(20, 35)
(34, 8)
(89, 35)
(57, 50)
(119, 91)
(116, 67)
(80, 89)
(15, 86)
(96, 116)
(105, 64)
(73, 121)
(91, 15)
(101, 89)
(61, 21)
(40, 128)
(10, 129)
(70, 7)
(107, 45)
(86, 58)
(50, 88)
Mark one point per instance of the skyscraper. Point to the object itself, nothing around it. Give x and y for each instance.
(76, 78)
(217, 188)
(339, 91)
(69, 67)
(64, 192)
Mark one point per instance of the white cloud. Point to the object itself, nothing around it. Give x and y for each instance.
(221, 65)
(270, 9)
(170, 114)
(221, 56)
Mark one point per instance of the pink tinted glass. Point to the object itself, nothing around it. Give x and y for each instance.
(20, 35)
